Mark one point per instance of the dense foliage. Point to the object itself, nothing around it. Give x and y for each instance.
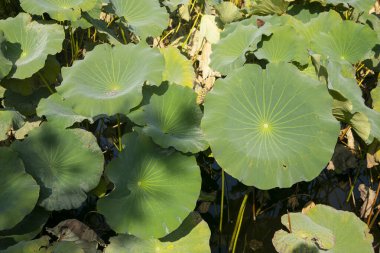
(125, 104)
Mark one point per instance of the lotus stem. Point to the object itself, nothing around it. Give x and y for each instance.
(373, 204)
(194, 24)
(289, 221)
(352, 186)
(119, 133)
(46, 83)
(221, 204)
(239, 220)
(374, 218)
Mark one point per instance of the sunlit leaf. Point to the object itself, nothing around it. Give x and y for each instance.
(10, 120)
(270, 128)
(145, 17)
(228, 12)
(5, 64)
(29, 43)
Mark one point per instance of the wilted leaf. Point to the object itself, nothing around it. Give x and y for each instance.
(209, 29)
(368, 196)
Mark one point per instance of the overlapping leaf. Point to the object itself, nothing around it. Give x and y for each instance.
(29, 43)
(65, 163)
(58, 9)
(270, 128)
(18, 190)
(173, 120)
(5, 64)
(145, 17)
(109, 79)
(155, 189)
(9, 120)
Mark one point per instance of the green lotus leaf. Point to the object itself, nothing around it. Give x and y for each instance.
(145, 17)
(270, 128)
(173, 4)
(173, 120)
(5, 64)
(238, 38)
(19, 191)
(284, 45)
(65, 163)
(191, 230)
(208, 29)
(351, 234)
(58, 9)
(26, 229)
(34, 246)
(67, 246)
(9, 120)
(323, 229)
(56, 110)
(268, 7)
(361, 5)
(29, 43)
(228, 12)
(109, 79)
(375, 94)
(155, 189)
(349, 105)
(346, 41)
(178, 69)
(45, 76)
(26, 105)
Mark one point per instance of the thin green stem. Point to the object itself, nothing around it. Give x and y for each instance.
(119, 133)
(222, 204)
(45, 82)
(352, 187)
(239, 221)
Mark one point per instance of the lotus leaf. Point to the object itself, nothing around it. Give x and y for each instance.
(45, 76)
(9, 120)
(109, 79)
(178, 69)
(173, 120)
(65, 163)
(58, 9)
(375, 94)
(26, 229)
(173, 4)
(19, 191)
(346, 41)
(238, 38)
(66, 246)
(146, 17)
(267, 7)
(34, 246)
(270, 128)
(208, 29)
(5, 64)
(349, 105)
(284, 46)
(361, 5)
(26, 105)
(228, 12)
(155, 189)
(194, 237)
(56, 110)
(29, 43)
(349, 232)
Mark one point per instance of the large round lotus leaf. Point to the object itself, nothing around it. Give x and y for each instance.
(145, 17)
(65, 163)
(178, 69)
(58, 9)
(109, 79)
(192, 236)
(346, 41)
(26, 229)
(270, 128)
(284, 46)
(57, 110)
(238, 38)
(361, 5)
(155, 189)
(29, 43)
(268, 7)
(173, 120)
(18, 190)
(9, 120)
(228, 12)
(5, 64)
(344, 231)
